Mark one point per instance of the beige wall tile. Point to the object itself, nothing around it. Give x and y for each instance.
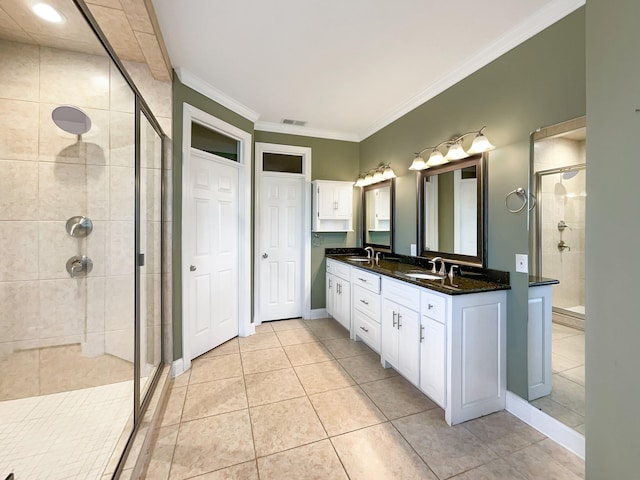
(116, 27)
(150, 194)
(74, 78)
(20, 312)
(62, 304)
(19, 187)
(95, 304)
(56, 246)
(121, 193)
(97, 204)
(20, 71)
(19, 247)
(120, 248)
(62, 190)
(106, 3)
(119, 343)
(15, 35)
(122, 143)
(138, 16)
(156, 93)
(151, 51)
(119, 302)
(18, 130)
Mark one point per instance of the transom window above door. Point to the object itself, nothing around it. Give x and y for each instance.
(216, 143)
(281, 162)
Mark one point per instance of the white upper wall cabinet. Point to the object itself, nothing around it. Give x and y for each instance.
(332, 206)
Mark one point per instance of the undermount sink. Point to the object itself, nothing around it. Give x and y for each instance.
(424, 276)
(358, 259)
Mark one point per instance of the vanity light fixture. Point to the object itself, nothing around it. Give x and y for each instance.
(47, 12)
(379, 174)
(455, 150)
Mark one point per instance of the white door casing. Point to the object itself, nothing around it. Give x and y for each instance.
(283, 234)
(233, 299)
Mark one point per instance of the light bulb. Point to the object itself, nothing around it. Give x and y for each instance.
(456, 152)
(480, 144)
(436, 158)
(418, 163)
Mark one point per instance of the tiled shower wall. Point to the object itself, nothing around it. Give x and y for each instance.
(563, 199)
(47, 176)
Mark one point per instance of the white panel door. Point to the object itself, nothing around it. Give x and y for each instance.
(212, 253)
(281, 246)
(409, 345)
(433, 366)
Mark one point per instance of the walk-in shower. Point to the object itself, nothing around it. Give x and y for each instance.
(80, 240)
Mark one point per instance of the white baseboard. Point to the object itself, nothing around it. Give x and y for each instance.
(546, 424)
(318, 313)
(177, 367)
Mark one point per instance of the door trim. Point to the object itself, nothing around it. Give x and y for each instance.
(306, 221)
(244, 166)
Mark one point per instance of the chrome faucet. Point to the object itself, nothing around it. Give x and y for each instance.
(378, 254)
(369, 251)
(433, 261)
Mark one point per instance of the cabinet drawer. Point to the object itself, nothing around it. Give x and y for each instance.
(433, 306)
(367, 280)
(338, 269)
(367, 330)
(366, 301)
(401, 293)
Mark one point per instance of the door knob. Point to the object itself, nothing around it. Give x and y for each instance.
(265, 255)
(192, 268)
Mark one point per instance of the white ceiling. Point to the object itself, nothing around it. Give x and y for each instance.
(347, 67)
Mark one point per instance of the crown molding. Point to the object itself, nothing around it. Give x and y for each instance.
(305, 131)
(208, 90)
(547, 16)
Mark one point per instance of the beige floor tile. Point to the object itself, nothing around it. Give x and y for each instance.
(329, 331)
(284, 425)
(175, 404)
(559, 331)
(264, 328)
(281, 325)
(212, 443)
(259, 342)
(557, 411)
(212, 398)
(496, 470)
(244, 471)
(575, 375)
(274, 386)
(560, 363)
(534, 463)
(379, 453)
(215, 368)
(296, 336)
(319, 322)
(345, 410)
(321, 377)
(366, 368)
(447, 450)
(568, 394)
(345, 347)
(580, 429)
(307, 353)
(264, 360)
(182, 380)
(162, 454)
(503, 433)
(563, 456)
(397, 398)
(227, 348)
(317, 461)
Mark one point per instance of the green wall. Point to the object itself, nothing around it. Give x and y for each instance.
(613, 230)
(183, 94)
(540, 82)
(330, 160)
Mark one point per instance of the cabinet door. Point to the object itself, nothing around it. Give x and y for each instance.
(409, 344)
(389, 326)
(327, 203)
(433, 367)
(330, 293)
(343, 196)
(342, 306)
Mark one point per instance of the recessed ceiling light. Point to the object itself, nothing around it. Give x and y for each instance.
(47, 12)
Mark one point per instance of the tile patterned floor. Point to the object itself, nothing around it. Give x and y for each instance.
(567, 399)
(299, 400)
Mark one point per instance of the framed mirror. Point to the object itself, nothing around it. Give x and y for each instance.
(452, 211)
(377, 214)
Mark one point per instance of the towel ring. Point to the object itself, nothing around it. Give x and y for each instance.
(522, 194)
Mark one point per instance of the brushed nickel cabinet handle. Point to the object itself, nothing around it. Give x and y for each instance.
(366, 330)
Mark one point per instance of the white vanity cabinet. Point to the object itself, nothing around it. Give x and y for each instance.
(366, 307)
(400, 321)
(433, 347)
(332, 206)
(338, 292)
(539, 341)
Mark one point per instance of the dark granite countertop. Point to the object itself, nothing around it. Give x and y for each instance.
(536, 281)
(471, 280)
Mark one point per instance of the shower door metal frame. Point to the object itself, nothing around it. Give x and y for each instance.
(140, 404)
(538, 223)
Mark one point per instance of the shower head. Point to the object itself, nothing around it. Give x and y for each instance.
(71, 119)
(569, 174)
